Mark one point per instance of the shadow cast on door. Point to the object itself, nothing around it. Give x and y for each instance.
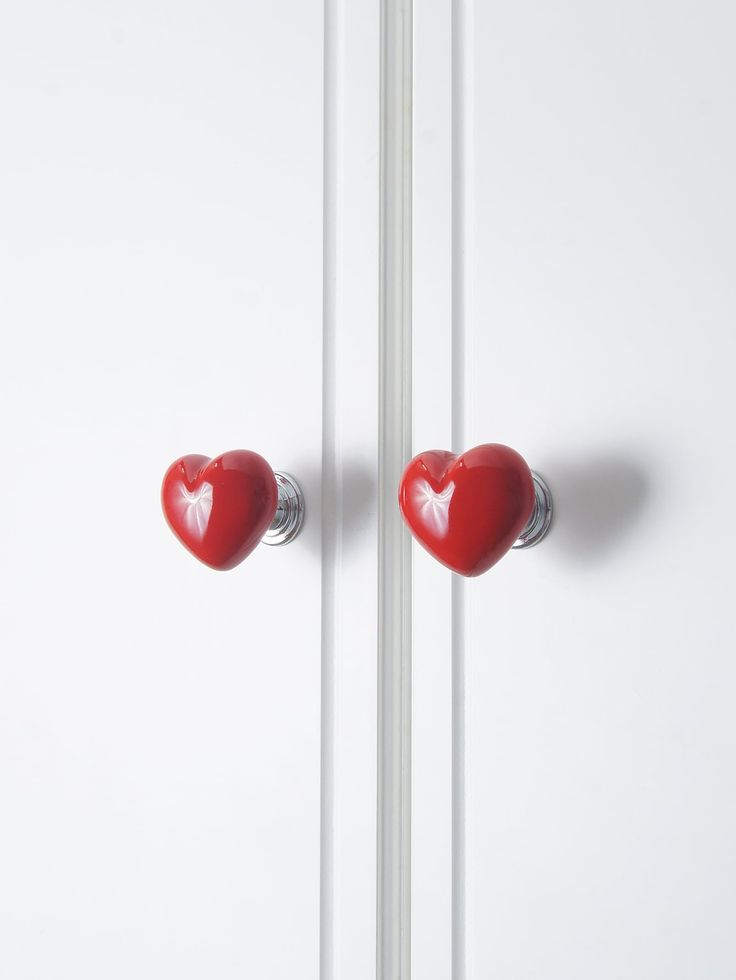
(598, 504)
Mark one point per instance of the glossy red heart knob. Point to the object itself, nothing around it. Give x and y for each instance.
(220, 508)
(468, 510)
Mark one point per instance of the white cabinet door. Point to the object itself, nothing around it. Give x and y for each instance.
(187, 758)
(575, 220)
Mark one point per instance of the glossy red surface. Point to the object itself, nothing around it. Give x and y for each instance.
(220, 508)
(468, 510)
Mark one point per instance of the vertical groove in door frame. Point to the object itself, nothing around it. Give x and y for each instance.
(460, 99)
(394, 551)
(331, 495)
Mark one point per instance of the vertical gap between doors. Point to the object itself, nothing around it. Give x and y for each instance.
(331, 486)
(394, 553)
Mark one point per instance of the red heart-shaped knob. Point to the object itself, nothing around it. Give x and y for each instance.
(220, 508)
(467, 510)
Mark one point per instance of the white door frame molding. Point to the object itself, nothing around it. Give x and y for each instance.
(349, 492)
(442, 195)
(394, 582)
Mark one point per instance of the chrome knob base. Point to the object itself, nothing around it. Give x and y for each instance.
(289, 517)
(539, 523)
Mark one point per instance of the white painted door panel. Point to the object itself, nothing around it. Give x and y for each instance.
(189, 249)
(585, 825)
(165, 739)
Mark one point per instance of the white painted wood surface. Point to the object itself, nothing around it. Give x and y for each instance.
(187, 759)
(593, 245)
(350, 491)
(432, 662)
(189, 244)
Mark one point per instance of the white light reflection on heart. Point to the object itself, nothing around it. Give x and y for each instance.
(434, 507)
(195, 507)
